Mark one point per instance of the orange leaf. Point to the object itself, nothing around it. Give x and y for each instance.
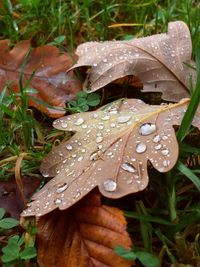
(54, 86)
(82, 236)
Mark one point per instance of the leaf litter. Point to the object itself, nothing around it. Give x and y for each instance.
(46, 68)
(110, 149)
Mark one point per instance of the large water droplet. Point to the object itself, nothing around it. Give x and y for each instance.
(147, 128)
(79, 121)
(123, 119)
(61, 188)
(128, 167)
(110, 185)
(141, 148)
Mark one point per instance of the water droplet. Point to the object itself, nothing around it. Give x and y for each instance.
(105, 60)
(147, 128)
(46, 174)
(94, 156)
(100, 127)
(95, 116)
(64, 125)
(79, 121)
(105, 118)
(61, 188)
(164, 137)
(128, 167)
(158, 147)
(58, 201)
(95, 64)
(156, 138)
(110, 185)
(166, 163)
(141, 148)
(113, 125)
(123, 119)
(99, 139)
(165, 152)
(69, 147)
(80, 158)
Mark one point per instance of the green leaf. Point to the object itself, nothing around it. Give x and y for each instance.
(28, 253)
(81, 101)
(93, 99)
(60, 39)
(81, 94)
(2, 212)
(124, 253)
(8, 223)
(147, 259)
(189, 174)
(83, 108)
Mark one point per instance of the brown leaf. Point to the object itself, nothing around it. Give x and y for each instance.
(10, 195)
(54, 86)
(82, 236)
(110, 149)
(157, 60)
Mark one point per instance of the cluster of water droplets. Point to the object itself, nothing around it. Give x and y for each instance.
(101, 145)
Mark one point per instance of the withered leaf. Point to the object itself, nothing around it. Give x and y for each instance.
(54, 86)
(158, 61)
(110, 149)
(10, 197)
(82, 236)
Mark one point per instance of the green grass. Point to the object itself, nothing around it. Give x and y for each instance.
(165, 224)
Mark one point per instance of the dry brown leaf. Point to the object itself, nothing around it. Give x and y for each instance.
(157, 60)
(110, 149)
(54, 86)
(10, 196)
(83, 236)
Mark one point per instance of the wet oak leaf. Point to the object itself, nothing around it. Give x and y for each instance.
(84, 235)
(158, 61)
(110, 149)
(50, 80)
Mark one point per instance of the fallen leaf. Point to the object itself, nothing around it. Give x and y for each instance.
(83, 236)
(53, 85)
(158, 61)
(10, 195)
(110, 149)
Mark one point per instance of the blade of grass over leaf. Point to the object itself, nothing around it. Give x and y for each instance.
(189, 174)
(194, 103)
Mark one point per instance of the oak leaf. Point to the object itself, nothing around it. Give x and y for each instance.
(82, 236)
(158, 61)
(110, 149)
(49, 66)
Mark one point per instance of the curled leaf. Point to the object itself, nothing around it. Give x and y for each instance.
(110, 149)
(53, 86)
(83, 236)
(158, 61)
